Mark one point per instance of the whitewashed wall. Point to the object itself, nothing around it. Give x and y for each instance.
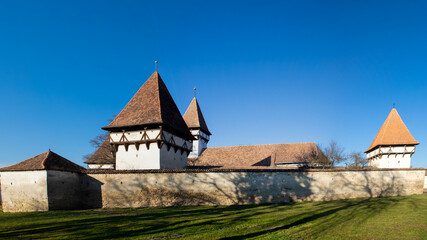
(152, 157)
(199, 144)
(138, 159)
(100, 166)
(42, 191)
(391, 161)
(134, 135)
(228, 188)
(394, 157)
(169, 159)
(24, 191)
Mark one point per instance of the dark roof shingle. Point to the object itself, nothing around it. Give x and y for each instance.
(103, 155)
(151, 105)
(393, 132)
(45, 161)
(193, 117)
(253, 156)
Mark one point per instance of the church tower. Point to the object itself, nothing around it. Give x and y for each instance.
(150, 133)
(393, 146)
(196, 123)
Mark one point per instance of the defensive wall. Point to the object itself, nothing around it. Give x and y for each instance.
(425, 183)
(50, 190)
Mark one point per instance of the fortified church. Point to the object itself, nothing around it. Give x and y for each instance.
(151, 133)
(154, 156)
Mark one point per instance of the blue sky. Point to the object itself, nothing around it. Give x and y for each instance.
(266, 71)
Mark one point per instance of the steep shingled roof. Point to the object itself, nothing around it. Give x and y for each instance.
(253, 156)
(393, 132)
(151, 105)
(45, 161)
(193, 117)
(103, 155)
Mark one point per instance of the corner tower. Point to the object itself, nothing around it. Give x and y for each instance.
(196, 123)
(393, 146)
(150, 133)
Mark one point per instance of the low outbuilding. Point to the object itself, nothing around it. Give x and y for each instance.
(45, 182)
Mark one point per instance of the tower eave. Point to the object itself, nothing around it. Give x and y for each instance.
(201, 129)
(388, 145)
(155, 125)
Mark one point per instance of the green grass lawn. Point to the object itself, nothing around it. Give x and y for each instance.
(377, 218)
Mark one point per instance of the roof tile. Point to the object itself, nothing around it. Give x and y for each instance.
(152, 104)
(254, 156)
(103, 155)
(45, 161)
(393, 132)
(193, 117)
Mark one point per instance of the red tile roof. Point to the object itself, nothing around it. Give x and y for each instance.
(103, 155)
(193, 117)
(45, 161)
(254, 156)
(151, 105)
(393, 132)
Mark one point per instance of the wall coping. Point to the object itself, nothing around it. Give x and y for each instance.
(207, 170)
(35, 170)
(111, 171)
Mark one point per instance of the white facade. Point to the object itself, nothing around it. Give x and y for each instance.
(24, 191)
(199, 144)
(100, 166)
(291, 165)
(391, 156)
(150, 149)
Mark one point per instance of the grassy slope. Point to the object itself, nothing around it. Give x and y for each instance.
(380, 218)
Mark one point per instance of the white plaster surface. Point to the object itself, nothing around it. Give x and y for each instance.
(49, 190)
(138, 159)
(169, 159)
(24, 191)
(391, 157)
(135, 135)
(227, 188)
(151, 157)
(100, 166)
(199, 144)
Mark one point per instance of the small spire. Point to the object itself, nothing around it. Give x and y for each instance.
(156, 64)
(194, 92)
(394, 105)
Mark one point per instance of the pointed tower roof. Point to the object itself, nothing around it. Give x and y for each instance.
(151, 105)
(45, 161)
(393, 132)
(194, 118)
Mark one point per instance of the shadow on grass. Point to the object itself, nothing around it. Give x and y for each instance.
(191, 221)
(351, 210)
(231, 222)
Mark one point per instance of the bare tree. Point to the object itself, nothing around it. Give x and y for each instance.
(357, 160)
(314, 158)
(96, 142)
(334, 153)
